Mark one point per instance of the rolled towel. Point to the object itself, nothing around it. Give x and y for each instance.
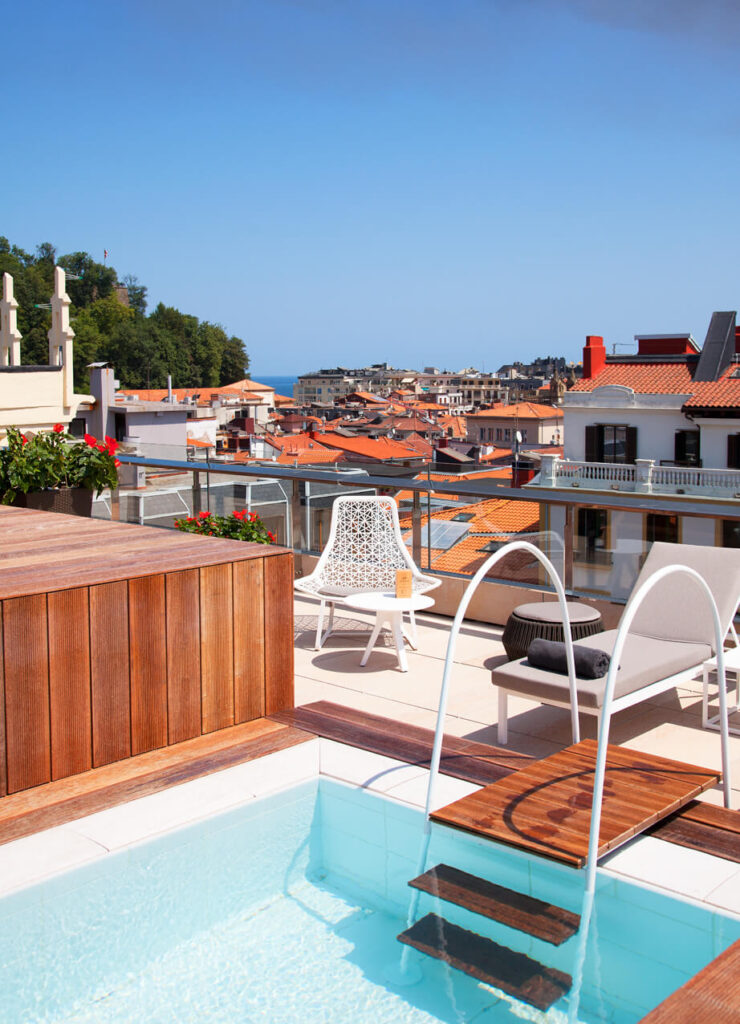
(590, 663)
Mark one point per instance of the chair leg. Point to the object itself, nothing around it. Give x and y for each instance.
(503, 724)
(411, 634)
(320, 625)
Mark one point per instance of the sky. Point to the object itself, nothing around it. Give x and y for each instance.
(447, 183)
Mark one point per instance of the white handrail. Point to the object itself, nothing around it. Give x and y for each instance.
(517, 545)
(629, 613)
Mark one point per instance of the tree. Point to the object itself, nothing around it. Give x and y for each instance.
(136, 293)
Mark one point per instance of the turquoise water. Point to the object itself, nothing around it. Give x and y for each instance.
(287, 910)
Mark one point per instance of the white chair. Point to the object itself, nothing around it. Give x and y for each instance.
(364, 550)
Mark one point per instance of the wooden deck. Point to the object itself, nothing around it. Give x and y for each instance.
(58, 802)
(118, 639)
(711, 997)
(546, 807)
(463, 759)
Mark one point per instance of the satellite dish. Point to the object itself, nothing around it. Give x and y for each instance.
(518, 436)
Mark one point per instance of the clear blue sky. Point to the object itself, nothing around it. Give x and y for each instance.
(446, 182)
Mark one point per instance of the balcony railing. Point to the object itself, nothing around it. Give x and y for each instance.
(643, 476)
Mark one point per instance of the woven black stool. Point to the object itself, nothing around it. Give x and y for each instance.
(542, 621)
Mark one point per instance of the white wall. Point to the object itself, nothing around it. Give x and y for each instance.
(656, 430)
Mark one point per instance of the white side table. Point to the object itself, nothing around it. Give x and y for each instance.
(389, 610)
(732, 665)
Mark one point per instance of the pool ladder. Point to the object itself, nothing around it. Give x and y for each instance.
(515, 973)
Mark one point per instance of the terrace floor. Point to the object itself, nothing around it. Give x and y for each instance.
(669, 725)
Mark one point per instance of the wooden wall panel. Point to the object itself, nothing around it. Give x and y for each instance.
(279, 690)
(25, 646)
(183, 655)
(216, 647)
(249, 640)
(109, 673)
(3, 762)
(147, 639)
(69, 682)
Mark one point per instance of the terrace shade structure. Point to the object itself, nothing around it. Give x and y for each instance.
(120, 639)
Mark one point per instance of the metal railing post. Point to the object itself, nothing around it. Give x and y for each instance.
(416, 528)
(196, 493)
(568, 548)
(296, 526)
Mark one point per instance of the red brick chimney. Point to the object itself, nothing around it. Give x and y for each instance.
(737, 340)
(594, 356)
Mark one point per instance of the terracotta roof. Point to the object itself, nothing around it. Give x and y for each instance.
(643, 378)
(367, 397)
(521, 411)
(195, 442)
(373, 448)
(656, 378)
(202, 394)
(419, 444)
(293, 441)
(282, 399)
(459, 429)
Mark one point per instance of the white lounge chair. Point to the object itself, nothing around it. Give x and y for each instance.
(671, 637)
(364, 550)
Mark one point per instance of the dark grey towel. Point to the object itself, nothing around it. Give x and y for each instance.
(590, 663)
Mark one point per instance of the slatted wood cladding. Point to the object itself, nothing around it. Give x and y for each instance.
(120, 639)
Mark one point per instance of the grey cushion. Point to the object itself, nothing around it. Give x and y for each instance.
(549, 611)
(644, 660)
(677, 608)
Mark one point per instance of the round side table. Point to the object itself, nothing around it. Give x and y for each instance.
(542, 620)
(389, 610)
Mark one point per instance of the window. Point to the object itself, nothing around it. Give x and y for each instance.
(499, 434)
(730, 533)
(77, 427)
(592, 536)
(733, 451)
(524, 436)
(611, 442)
(661, 528)
(463, 517)
(686, 448)
(119, 425)
(507, 434)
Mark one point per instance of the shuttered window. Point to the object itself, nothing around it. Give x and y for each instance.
(611, 442)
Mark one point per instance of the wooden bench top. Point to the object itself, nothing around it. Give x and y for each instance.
(45, 551)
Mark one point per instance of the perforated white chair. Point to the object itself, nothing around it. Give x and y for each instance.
(363, 553)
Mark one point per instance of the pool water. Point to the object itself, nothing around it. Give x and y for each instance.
(287, 910)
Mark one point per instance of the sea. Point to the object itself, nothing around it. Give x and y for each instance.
(282, 385)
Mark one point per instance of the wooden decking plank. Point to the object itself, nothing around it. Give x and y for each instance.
(515, 973)
(473, 748)
(58, 802)
(696, 835)
(515, 909)
(473, 762)
(709, 814)
(546, 807)
(711, 997)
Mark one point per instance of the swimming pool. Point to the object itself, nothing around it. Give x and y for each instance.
(287, 909)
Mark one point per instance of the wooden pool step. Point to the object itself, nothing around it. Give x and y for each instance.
(514, 973)
(711, 997)
(545, 807)
(525, 913)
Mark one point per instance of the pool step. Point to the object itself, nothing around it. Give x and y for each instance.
(514, 973)
(525, 913)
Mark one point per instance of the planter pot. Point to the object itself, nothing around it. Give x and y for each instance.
(72, 501)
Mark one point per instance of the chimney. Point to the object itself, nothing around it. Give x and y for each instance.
(169, 389)
(737, 340)
(594, 356)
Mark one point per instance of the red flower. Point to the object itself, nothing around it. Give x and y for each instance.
(204, 515)
(111, 444)
(58, 428)
(190, 520)
(24, 439)
(240, 515)
(117, 463)
(101, 448)
(272, 537)
(92, 441)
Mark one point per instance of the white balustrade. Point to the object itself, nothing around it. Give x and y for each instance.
(642, 476)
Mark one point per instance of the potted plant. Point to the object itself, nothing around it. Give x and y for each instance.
(54, 471)
(240, 525)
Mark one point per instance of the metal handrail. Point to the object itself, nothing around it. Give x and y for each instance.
(626, 621)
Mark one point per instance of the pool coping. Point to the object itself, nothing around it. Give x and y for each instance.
(694, 876)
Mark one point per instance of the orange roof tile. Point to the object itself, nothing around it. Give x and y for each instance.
(520, 410)
(374, 448)
(643, 378)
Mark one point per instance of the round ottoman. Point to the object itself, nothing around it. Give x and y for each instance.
(542, 620)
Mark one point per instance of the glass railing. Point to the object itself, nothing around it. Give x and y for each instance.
(450, 525)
